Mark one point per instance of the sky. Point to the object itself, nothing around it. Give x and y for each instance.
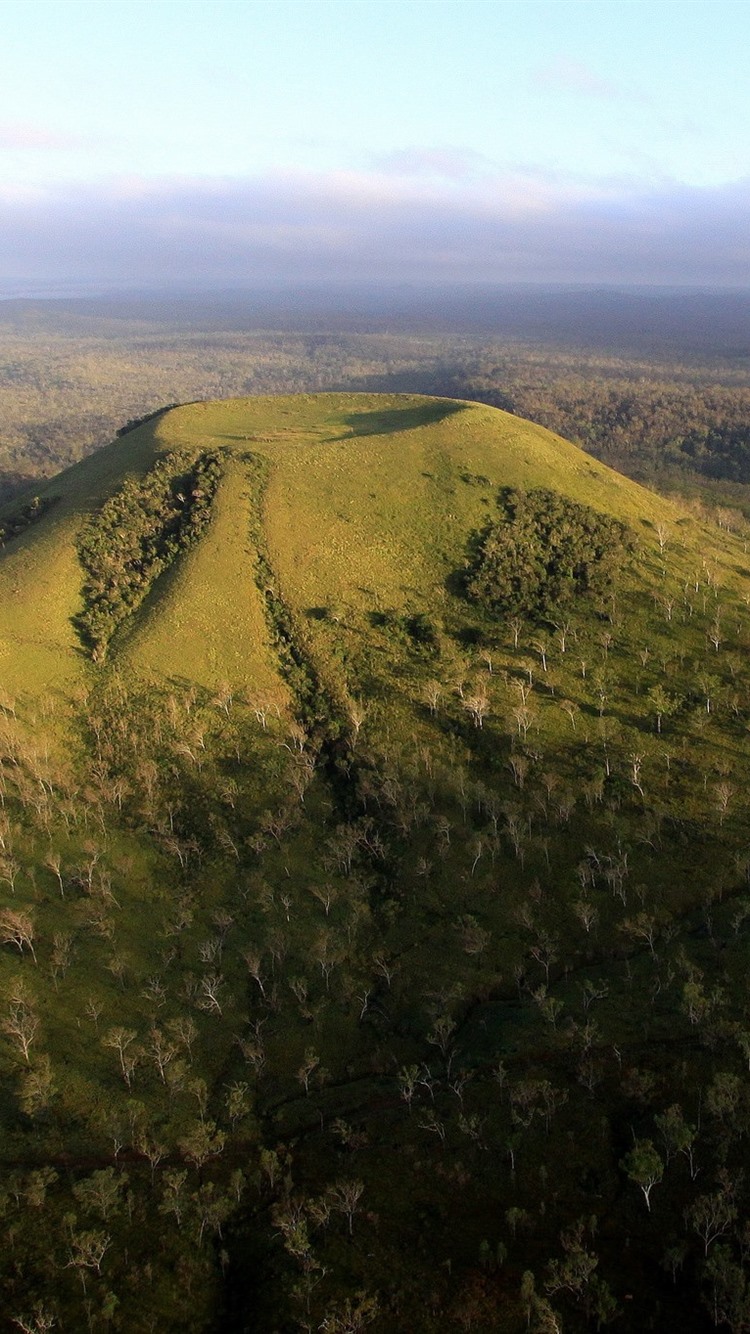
(192, 145)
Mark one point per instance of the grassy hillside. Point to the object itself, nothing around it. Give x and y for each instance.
(367, 497)
(374, 922)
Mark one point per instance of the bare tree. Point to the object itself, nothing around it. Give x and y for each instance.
(309, 1065)
(357, 713)
(17, 928)
(345, 1197)
(21, 1023)
(208, 999)
(161, 1051)
(478, 706)
(87, 1251)
(432, 693)
(53, 863)
(120, 1039)
(38, 1321)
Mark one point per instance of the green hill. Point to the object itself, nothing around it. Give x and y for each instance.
(364, 498)
(373, 882)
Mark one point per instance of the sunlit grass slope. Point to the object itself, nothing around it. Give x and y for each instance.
(362, 500)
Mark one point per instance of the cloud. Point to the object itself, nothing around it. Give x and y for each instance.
(374, 226)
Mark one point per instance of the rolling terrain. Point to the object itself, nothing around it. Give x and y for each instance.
(373, 882)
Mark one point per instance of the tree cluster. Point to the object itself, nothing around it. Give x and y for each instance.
(23, 518)
(543, 553)
(135, 535)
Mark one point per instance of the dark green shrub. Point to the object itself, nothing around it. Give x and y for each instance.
(136, 535)
(543, 553)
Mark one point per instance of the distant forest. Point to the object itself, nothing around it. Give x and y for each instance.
(658, 388)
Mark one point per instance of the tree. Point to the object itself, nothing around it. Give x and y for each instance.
(478, 706)
(100, 1193)
(644, 1167)
(408, 1079)
(17, 928)
(173, 1195)
(642, 927)
(661, 704)
(309, 1065)
(729, 1301)
(432, 692)
(37, 1086)
(678, 1136)
(212, 1208)
(573, 1272)
(38, 1321)
(357, 713)
(345, 1197)
(203, 1141)
(87, 1251)
(120, 1039)
(711, 1216)
(21, 1024)
(350, 1316)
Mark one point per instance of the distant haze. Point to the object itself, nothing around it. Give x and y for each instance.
(692, 326)
(295, 228)
(202, 146)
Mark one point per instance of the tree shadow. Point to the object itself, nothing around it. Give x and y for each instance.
(388, 421)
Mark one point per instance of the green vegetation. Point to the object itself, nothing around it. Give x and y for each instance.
(544, 554)
(18, 521)
(368, 959)
(136, 535)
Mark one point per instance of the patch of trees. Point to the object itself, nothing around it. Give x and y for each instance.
(24, 517)
(135, 422)
(136, 535)
(544, 552)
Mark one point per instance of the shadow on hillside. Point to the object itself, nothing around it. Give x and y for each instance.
(390, 420)
(13, 484)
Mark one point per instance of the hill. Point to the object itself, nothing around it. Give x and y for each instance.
(327, 533)
(374, 877)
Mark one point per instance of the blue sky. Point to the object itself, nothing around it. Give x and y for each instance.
(173, 143)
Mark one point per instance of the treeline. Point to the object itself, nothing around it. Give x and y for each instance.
(635, 418)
